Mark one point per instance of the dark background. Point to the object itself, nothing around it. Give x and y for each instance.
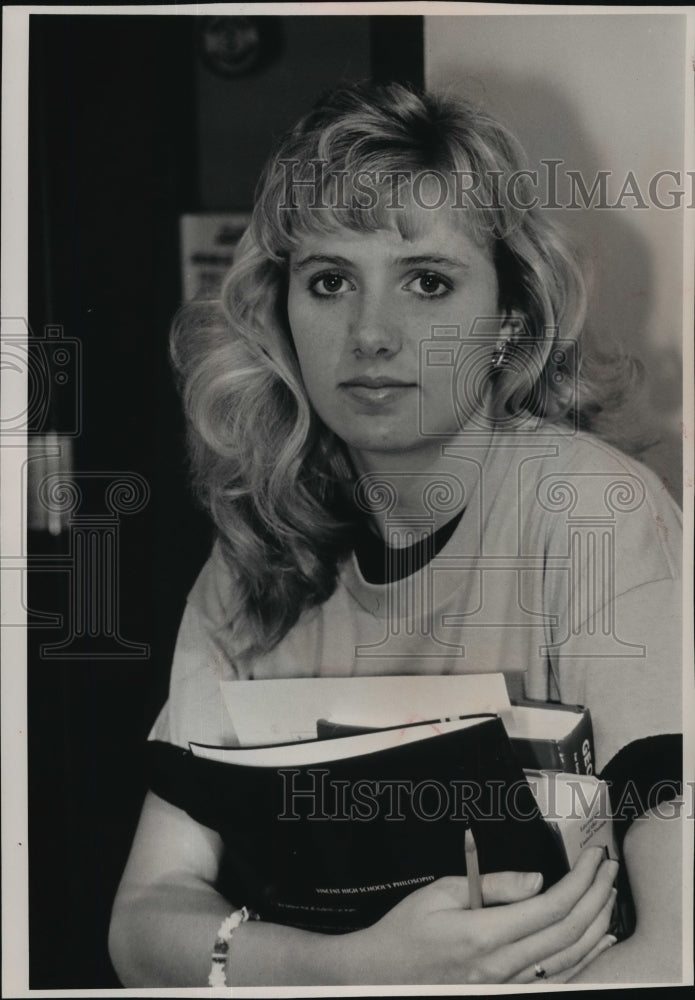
(128, 130)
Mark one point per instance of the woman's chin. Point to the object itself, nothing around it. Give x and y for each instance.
(424, 449)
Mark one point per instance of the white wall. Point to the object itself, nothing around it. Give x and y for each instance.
(601, 92)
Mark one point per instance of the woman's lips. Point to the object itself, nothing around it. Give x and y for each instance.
(376, 390)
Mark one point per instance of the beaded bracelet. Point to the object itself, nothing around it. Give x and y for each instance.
(220, 949)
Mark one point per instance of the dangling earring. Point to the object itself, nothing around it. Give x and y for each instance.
(500, 354)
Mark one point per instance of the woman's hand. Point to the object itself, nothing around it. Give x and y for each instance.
(432, 936)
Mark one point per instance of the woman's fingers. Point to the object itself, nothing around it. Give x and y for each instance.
(503, 954)
(577, 953)
(451, 891)
(510, 887)
(572, 936)
(568, 975)
(567, 932)
(505, 941)
(526, 917)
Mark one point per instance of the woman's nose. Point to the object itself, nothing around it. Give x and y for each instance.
(375, 330)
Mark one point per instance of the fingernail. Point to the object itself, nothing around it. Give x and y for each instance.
(614, 867)
(533, 880)
(610, 940)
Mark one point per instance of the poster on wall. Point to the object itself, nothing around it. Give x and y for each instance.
(208, 240)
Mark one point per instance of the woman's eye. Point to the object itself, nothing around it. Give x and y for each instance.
(429, 285)
(329, 284)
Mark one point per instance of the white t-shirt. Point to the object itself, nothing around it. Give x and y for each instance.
(563, 573)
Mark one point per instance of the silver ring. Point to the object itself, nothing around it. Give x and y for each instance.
(540, 971)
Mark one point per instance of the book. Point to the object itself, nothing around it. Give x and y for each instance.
(577, 808)
(552, 736)
(329, 835)
(286, 709)
(314, 751)
(328, 824)
(574, 808)
(544, 735)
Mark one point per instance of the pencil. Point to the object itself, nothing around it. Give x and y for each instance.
(475, 892)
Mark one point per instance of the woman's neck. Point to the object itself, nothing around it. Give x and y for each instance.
(414, 493)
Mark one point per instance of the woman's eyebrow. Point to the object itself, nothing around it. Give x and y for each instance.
(415, 260)
(432, 258)
(320, 258)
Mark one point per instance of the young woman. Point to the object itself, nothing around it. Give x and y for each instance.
(389, 416)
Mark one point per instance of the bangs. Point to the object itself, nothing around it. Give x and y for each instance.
(318, 201)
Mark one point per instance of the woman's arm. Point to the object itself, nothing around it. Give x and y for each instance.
(167, 913)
